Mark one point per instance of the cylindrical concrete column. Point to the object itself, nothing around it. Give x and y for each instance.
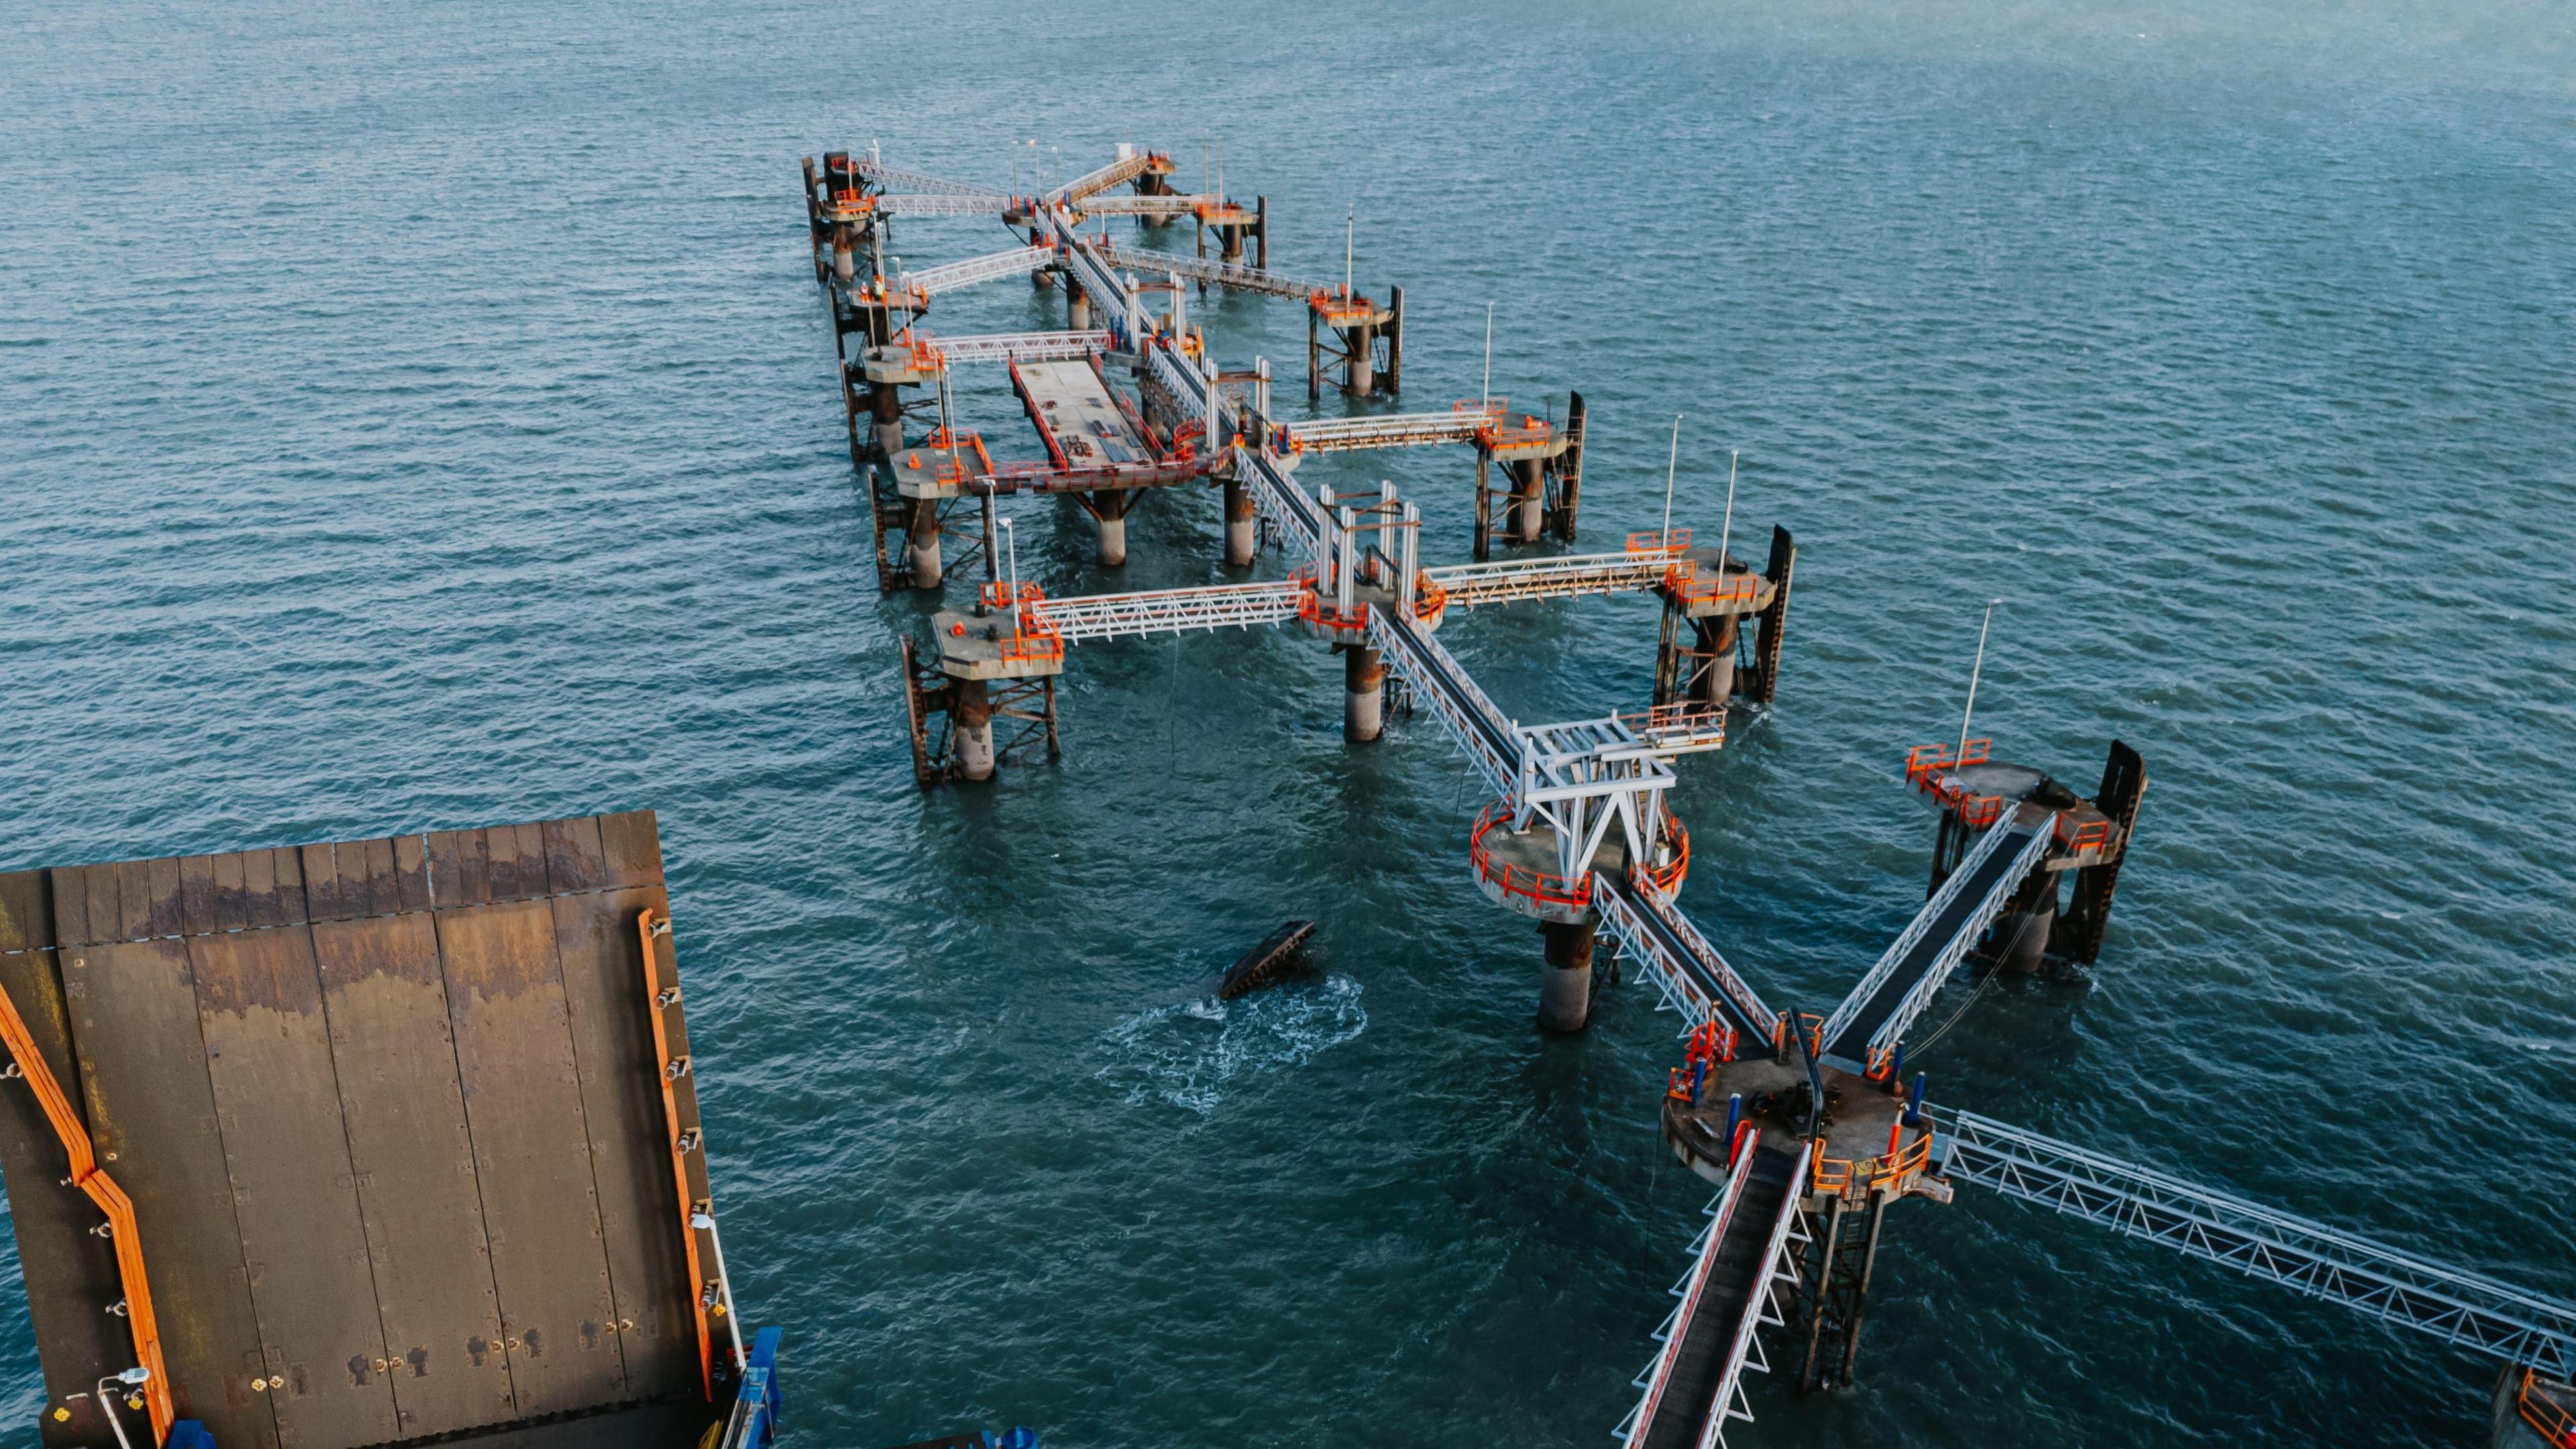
(2021, 939)
(1528, 500)
(1111, 512)
(1717, 640)
(922, 537)
(1241, 524)
(845, 263)
(1043, 277)
(1230, 249)
(970, 729)
(1077, 306)
(885, 407)
(1363, 695)
(1565, 982)
(1362, 341)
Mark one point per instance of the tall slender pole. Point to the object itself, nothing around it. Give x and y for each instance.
(1727, 528)
(1664, 540)
(1485, 395)
(1011, 546)
(1350, 241)
(1973, 674)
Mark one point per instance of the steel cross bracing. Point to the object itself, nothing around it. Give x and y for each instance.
(1018, 346)
(2456, 1306)
(2027, 848)
(1775, 1275)
(982, 205)
(1169, 611)
(1387, 430)
(948, 278)
(1694, 979)
(1203, 269)
(1504, 581)
(1124, 169)
(885, 176)
(1582, 777)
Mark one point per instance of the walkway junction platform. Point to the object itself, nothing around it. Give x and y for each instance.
(1808, 1125)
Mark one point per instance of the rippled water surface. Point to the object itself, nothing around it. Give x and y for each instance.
(421, 416)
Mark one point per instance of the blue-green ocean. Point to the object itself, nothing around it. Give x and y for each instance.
(417, 416)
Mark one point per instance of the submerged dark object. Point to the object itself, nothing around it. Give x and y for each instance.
(1262, 964)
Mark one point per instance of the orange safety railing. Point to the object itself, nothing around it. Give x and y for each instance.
(1535, 886)
(1688, 583)
(959, 456)
(1659, 540)
(1924, 762)
(1695, 717)
(922, 353)
(2542, 1411)
(2091, 835)
(1837, 1174)
(997, 594)
(103, 1193)
(1528, 432)
(1428, 596)
(1669, 879)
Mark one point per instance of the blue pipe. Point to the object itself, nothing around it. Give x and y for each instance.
(1914, 1102)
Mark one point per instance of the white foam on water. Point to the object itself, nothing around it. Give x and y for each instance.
(1188, 1053)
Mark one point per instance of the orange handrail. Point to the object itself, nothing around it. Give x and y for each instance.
(1684, 581)
(111, 1200)
(1659, 540)
(645, 930)
(1539, 887)
(2556, 1423)
(2091, 835)
(1669, 879)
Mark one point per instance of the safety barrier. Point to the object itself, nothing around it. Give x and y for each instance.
(1497, 436)
(1685, 582)
(1536, 886)
(1924, 762)
(1837, 1175)
(2091, 835)
(1668, 879)
(2542, 1411)
(1660, 540)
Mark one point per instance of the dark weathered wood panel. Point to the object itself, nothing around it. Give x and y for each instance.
(639, 1203)
(70, 1276)
(152, 1115)
(390, 1034)
(632, 842)
(277, 1101)
(523, 1101)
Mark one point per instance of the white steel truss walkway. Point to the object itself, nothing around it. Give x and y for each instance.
(1169, 611)
(1567, 576)
(2458, 1307)
(935, 280)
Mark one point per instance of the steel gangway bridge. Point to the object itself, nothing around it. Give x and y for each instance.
(1740, 1280)
(1584, 778)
